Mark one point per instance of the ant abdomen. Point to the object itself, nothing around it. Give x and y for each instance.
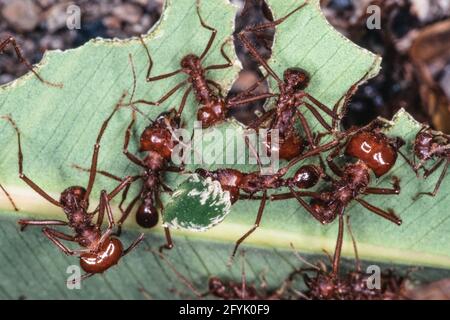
(107, 255)
(307, 176)
(147, 215)
(374, 149)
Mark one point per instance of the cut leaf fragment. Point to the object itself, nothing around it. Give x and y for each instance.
(197, 205)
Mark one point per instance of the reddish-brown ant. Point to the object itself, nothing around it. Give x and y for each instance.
(291, 96)
(101, 250)
(158, 142)
(375, 152)
(231, 290)
(353, 286)
(11, 41)
(251, 183)
(430, 145)
(213, 106)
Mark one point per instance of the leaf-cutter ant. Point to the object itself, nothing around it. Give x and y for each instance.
(100, 250)
(213, 106)
(374, 152)
(431, 145)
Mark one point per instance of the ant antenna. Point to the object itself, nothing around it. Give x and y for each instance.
(244, 278)
(355, 248)
(303, 260)
(183, 279)
(130, 103)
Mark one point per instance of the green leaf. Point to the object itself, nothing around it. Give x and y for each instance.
(197, 205)
(59, 128)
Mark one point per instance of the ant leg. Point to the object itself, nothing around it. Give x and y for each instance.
(150, 66)
(12, 41)
(255, 226)
(439, 182)
(133, 245)
(24, 223)
(101, 172)
(215, 85)
(126, 213)
(233, 102)
(163, 98)
(338, 249)
(306, 128)
(332, 165)
(355, 247)
(322, 107)
(183, 279)
(53, 236)
(96, 151)
(394, 190)
(273, 24)
(9, 198)
(169, 242)
(183, 101)
(390, 215)
(258, 122)
(311, 153)
(305, 205)
(248, 91)
(410, 163)
(252, 50)
(204, 25)
(229, 64)
(319, 118)
(127, 153)
(22, 176)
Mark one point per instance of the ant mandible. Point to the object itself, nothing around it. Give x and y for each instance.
(101, 250)
(374, 152)
(430, 145)
(11, 41)
(213, 106)
(158, 142)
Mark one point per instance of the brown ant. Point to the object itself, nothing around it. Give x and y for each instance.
(251, 183)
(231, 290)
(158, 143)
(375, 152)
(11, 41)
(429, 145)
(101, 250)
(213, 106)
(291, 96)
(326, 285)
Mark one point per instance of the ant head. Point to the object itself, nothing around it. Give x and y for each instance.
(307, 176)
(189, 61)
(326, 210)
(423, 145)
(216, 285)
(168, 118)
(73, 198)
(296, 78)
